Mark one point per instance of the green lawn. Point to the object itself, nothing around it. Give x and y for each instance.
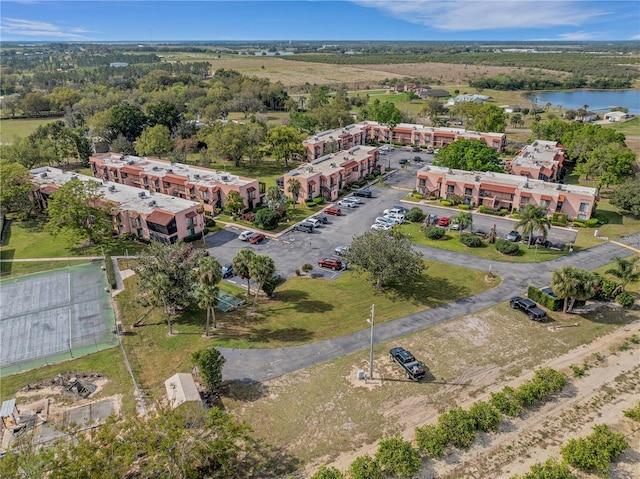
(451, 242)
(301, 212)
(304, 310)
(266, 170)
(9, 129)
(631, 127)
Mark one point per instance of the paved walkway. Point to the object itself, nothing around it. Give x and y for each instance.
(255, 365)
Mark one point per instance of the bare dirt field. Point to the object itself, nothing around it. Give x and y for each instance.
(325, 415)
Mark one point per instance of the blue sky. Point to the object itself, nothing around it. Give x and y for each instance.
(413, 20)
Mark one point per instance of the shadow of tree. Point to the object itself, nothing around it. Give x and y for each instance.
(313, 307)
(266, 335)
(428, 291)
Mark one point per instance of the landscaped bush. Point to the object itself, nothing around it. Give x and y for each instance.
(270, 284)
(370, 177)
(309, 204)
(194, 236)
(364, 467)
(549, 302)
(111, 274)
(625, 300)
(470, 240)
(485, 210)
(418, 196)
(415, 215)
(325, 472)
(592, 223)
(318, 200)
(506, 402)
(431, 439)
(462, 206)
(459, 426)
(595, 452)
(446, 202)
(602, 218)
(432, 197)
(486, 417)
(398, 458)
(267, 219)
(507, 247)
(552, 469)
(434, 232)
(560, 218)
(605, 288)
(209, 222)
(578, 223)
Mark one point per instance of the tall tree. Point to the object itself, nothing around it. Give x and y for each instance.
(225, 141)
(125, 119)
(571, 284)
(163, 113)
(533, 218)
(470, 155)
(210, 363)
(294, 188)
(284, 142)
(241, 262)
(261, 268)
(387, 113)
(77, 207)
(167, 275)
(275, 198)
(609, 163)
(387, 256)
(625, 271)
(234, 204)
(206, 293)
(16, 189)
(432, 107)
(154, 140)
(465, 220)
(627, 196)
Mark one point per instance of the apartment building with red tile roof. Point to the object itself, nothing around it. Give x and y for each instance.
(541, 160)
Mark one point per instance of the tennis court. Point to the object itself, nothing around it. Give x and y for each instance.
(55, 315)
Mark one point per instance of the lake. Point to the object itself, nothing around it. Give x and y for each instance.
(598, 100)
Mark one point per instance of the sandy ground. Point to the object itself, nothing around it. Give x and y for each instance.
(610, 386)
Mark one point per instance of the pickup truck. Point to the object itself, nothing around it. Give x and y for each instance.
(413, 368)
(529, 307)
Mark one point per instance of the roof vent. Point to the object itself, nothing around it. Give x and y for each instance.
(130, 162)
(112, 188)
(196, 176)
(152, 203)
(122, 157)
(142, 194)
(169, 170)
(224, 178)
(155, 168)
(43, 175)
(559, 187)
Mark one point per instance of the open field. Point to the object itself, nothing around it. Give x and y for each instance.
(20, 128)
(304, 310)
(324, 415)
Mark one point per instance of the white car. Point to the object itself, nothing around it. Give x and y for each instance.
(380, 226)
(315, 222)
(244, 236)
(355, 199)
(346, 202)
(397, 210)
(397, 217)
(383, 220)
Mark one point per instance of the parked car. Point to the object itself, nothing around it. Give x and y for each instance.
(413, 368)
(397, 210)
(403, 161)
(417, 159)
(227, 271)
(315, 222)
(355, 199)
(322, 218)
(333, 211)
(255, 238)
(340, 250)
(479, 232)
(514, 236)
(331, 263)
(529, 307)
(444, 221)
(432, 219)
(386, 148)
(346, 202)
(381, 226)
(454, 224)
(244, 236)
(415, 148)
(397, 217)
(384, 220)
(364, 192)
(304, 226)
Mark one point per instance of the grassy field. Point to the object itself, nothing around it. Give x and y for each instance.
(9, 129)
(108, 362)
(11, 269)
(304, 310)
(631, 127)
(266, 170)
(323, 411)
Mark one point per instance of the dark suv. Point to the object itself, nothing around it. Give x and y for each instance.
(529, 307)
(365, 193)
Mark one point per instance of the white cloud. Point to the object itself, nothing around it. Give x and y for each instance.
(579, 36)
(468, 15)
(30, 28)
(635, 37)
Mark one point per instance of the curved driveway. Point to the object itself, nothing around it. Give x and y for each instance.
(255, 365)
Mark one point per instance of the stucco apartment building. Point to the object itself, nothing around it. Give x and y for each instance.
(327, 175)
(148, 215)
(203, 185)
(498, 190)
(406, 133)
(541, 160)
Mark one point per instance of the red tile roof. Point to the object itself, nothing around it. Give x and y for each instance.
(160, 217)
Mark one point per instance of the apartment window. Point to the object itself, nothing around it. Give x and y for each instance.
(190, 223)
(192, 191)
(139, 232)
(124, 176)
(191, 231)
(156, 183)
(422, 182)
(524, 200)
(584, 207)
(544, 203)
(582, 217)
(450, 188)
(205, 194)
(145, 181)
(468, 191)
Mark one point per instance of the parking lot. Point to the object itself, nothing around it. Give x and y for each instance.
(294, 248)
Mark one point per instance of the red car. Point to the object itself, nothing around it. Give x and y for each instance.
(332, 263)
(256, 238)
(444, 221)
(333, 211)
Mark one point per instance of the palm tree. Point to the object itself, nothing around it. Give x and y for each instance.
(464, 220)
(275, 198)
(626, 271)
(159, 286)
(294, 189)
(241, 263)
(534, 218)
(206, 293)
(262, 267)
(563, 283)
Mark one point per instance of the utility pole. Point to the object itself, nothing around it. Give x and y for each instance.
(371, 322)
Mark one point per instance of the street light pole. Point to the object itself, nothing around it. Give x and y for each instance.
(371, 322)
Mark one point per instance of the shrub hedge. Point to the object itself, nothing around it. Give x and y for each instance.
(507, 247)
(625, 300)
(318, 200)
(194, 236)
(462, 206)
(434, 232)
(485, 210)
(415, 215)
(592, 223)
(418, 196)
(470, 240)
(605, 288)
(549, 302)
(602, 218)
(111, 274)
(446, 202)
(560, 218)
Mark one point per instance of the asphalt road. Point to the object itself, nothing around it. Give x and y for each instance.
(293, 249)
